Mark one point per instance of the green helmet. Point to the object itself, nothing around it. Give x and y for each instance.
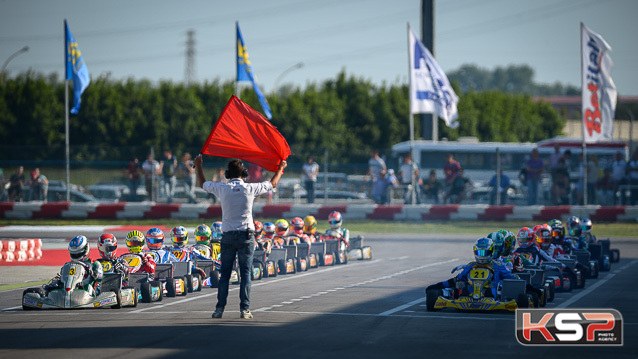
(202, 234)
(499, 243)
(509, 239)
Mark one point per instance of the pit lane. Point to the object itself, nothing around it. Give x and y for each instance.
(365, 309)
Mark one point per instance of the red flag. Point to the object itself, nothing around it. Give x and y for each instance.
(241, 132)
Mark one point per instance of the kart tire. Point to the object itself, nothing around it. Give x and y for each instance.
(321, 259)
(276, 269)
(189, 283)
(601, 264)
(363, 253)
(551, 290)
(615, 255)
(282, 267)
(307, 263)
(135, 296)
(199, 282)
(260, 271)
(523, 300)
(158, 284)
(146, 292)
(171, 290)
(342, 257)
(214, 278)
(298, 264)
(40, 291)
(185, 285)
(431, 295)
(118, 295)
(594, 270)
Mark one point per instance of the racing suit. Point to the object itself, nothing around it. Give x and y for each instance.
(92, 278)
(339, 233)
(115, 265)
(187, 253)
(577, 242)
(148, 265)
(554, 251)
(498, 271)
(161, 256)
(534, 254)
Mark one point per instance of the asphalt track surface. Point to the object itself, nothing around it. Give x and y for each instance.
(364, 309)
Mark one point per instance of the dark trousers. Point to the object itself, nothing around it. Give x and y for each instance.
(236, 244)
(310, 191)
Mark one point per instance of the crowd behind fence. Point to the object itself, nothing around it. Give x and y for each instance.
(613, 180)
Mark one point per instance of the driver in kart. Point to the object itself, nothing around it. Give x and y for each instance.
(155, 242)
(79, 250)
(135, 242)
(270, 231)
(261, 242)
(483, 254)
(310, 228)
(184, 253)
(296, 231)
(335, 219)
(281, 233)
(527, 248)
(202, 240)
(107, 246)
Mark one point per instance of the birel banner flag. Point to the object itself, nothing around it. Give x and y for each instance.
(430, 90)
(599, 90)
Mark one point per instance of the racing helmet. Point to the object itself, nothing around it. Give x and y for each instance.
(574, 227)
(269, 229)
(179, 236)
(216, 229)
(79, 248)
(107, 246)
(259, 230)
(202, 234)
(297, 224)
(135, 241)
(558, 231)
(154, 238)
(543, 237)
(483, 250)
(509, 240)
(586, 224)
(499, 243)
(525, 237)
(281, 227)
(309, 225)
(335, 219)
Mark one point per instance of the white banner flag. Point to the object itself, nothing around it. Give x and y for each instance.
(599, 90)
(430, 90)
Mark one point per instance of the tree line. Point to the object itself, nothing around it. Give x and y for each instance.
(346, 115)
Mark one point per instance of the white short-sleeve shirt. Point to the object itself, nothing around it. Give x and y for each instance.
(237, 198)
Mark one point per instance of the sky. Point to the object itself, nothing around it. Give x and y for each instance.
(146, 39)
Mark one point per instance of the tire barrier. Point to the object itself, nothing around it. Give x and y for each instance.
(424, 212)
(20, 250)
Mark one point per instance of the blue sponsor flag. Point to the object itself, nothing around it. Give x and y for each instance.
(245, 72)
(76, 69)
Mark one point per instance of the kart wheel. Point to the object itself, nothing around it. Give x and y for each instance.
(307, 266)
(135, 297)
(214, 278)
(171, 290)
(551, 290)
(282, 267)
(157, 284)
(185, 285)
(615, 255)
(146, 292)
(40, 291)
(431, 295)
(298, 264)
(118, 295)
(342, 257)
(605, 263)
(257, 272)
(366, 253)
(593, 269)
(199, 282)
(321, 259)
(189, 283)
(276, 269)
(523, 301)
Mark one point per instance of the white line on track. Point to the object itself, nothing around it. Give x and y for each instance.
(595, 285)
(394, 316)
(402, 307)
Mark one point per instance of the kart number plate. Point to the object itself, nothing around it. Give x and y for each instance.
(106, 266)
(133, 261)
(479, 274)
(179, 254)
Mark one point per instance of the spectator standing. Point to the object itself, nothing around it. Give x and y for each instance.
(238, 237)
(458, 188)
(593, 172)
(151, 169)
(133, 175)
(39, 186)
(504, 185)
(606, 187)
(168, 167)
(186, 176)
(534, 170)
(309, 173)
(619, 173)
(560, 184)
(432, 187)
(632, 174)
(380, 186)
(16, 182)
(406, 171)
(554, 157)
(451, 168)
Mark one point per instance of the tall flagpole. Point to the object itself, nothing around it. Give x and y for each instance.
(66, 115)
(582, 86)
(411, 116)
(237, 59)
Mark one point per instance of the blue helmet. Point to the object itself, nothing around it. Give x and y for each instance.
(216, 229)
(483, 250)
(79, 248)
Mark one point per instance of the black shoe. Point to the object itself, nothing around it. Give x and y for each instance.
(217, 314)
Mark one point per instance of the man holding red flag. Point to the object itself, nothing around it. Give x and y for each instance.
(238, 229)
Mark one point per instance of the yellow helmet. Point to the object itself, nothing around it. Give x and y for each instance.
(135, 241)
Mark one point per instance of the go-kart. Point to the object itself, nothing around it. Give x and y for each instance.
(71, 293)
(337, 247)
(149, 290)
(477, 294)
(358, 250)
(171, 285)
(601, 253)
(613, 253)
(213, 267)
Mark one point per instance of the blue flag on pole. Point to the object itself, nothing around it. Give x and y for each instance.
(245, 72)
(75, 67)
